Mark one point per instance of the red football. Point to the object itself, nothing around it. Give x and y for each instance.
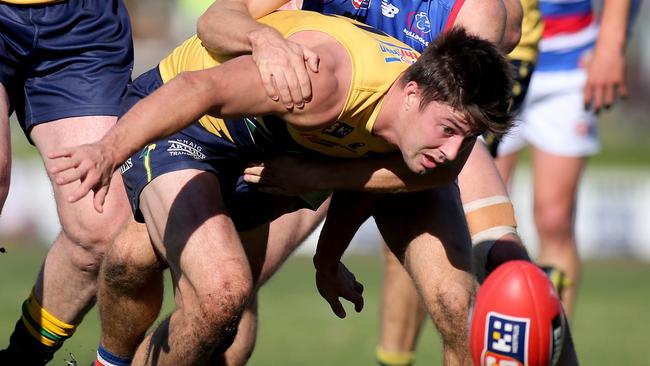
(517, 318)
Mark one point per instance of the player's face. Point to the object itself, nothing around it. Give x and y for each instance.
(434, 136)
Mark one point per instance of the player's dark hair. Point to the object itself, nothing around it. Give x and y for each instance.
(471, 75)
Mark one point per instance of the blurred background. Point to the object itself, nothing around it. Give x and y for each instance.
(613, 229)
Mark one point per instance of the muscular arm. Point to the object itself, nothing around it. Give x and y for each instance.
(5, 147)
(498, 21)
(385, 175)
(347, 212)
(229, 90)
(606, 68)
(228, 27)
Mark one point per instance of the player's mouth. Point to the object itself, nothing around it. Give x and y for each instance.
(428, 161)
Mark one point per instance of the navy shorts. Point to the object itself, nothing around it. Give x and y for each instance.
(196, 148)
(67, 59)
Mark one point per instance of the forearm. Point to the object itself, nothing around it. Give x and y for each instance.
(385, 175)
(5, 178)
(613, 27)
(347, 212)
(5, 162)
(229, 27)
(162, 113)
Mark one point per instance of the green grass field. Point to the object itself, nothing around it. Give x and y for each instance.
(298, 328)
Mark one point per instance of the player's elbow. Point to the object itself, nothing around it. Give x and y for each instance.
(512, 31)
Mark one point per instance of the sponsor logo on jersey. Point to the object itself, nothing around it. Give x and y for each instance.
(126, 166)
(361, 4)
(506, 340)
(388, 10)
(395, 53)
(338, 129)
(184, 147)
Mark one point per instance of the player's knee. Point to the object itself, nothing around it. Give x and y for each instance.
(452, 305)
(553, 221)
(219, 310)
(127, 274)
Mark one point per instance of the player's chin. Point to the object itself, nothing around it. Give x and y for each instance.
(416, 166)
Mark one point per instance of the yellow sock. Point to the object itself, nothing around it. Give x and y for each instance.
(43, 326)
(386, 358)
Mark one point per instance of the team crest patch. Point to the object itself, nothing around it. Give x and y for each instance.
(361, 4)
(506, 340)
(185, 147)
(338, 129)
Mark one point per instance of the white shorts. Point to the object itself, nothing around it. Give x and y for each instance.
(553, 117)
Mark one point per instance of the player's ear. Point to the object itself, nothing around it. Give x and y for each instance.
(411, 94)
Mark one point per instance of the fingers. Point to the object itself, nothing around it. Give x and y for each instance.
(64, 153)
(337, 307)
(100, 198)
(282, 88)
(284, 71)
(354, 295)
(62, 164)
(267, 81)
(311, 60)
(622, 90)
(588, 94)
(83, 189)
(609, 96)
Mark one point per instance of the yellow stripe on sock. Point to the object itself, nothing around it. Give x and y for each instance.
(394, 358)
(46, 321)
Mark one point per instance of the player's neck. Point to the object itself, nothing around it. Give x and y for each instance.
(386, 124)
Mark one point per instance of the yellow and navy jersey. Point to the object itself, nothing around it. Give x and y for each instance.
(377, 61)
(532, 28)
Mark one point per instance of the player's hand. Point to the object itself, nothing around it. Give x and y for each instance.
(283, 67)
(605, 79)
(339, 282)
(91, 164)
(282, 175)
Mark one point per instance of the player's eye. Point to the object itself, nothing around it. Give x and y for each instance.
(449, 131)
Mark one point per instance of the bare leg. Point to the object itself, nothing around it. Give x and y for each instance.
(506, 165)
(399, 335)
(130, 290)
(66, 286)
(434, 246)
(212, 277)
(402, 314)
(556, 184)
(285, 234)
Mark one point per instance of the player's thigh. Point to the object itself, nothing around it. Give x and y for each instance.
(480, 177)
(286, 233)
(51, 136)
(189, 225)
(433, 219)
(556, 180)
(437, 247)
(256, 242)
